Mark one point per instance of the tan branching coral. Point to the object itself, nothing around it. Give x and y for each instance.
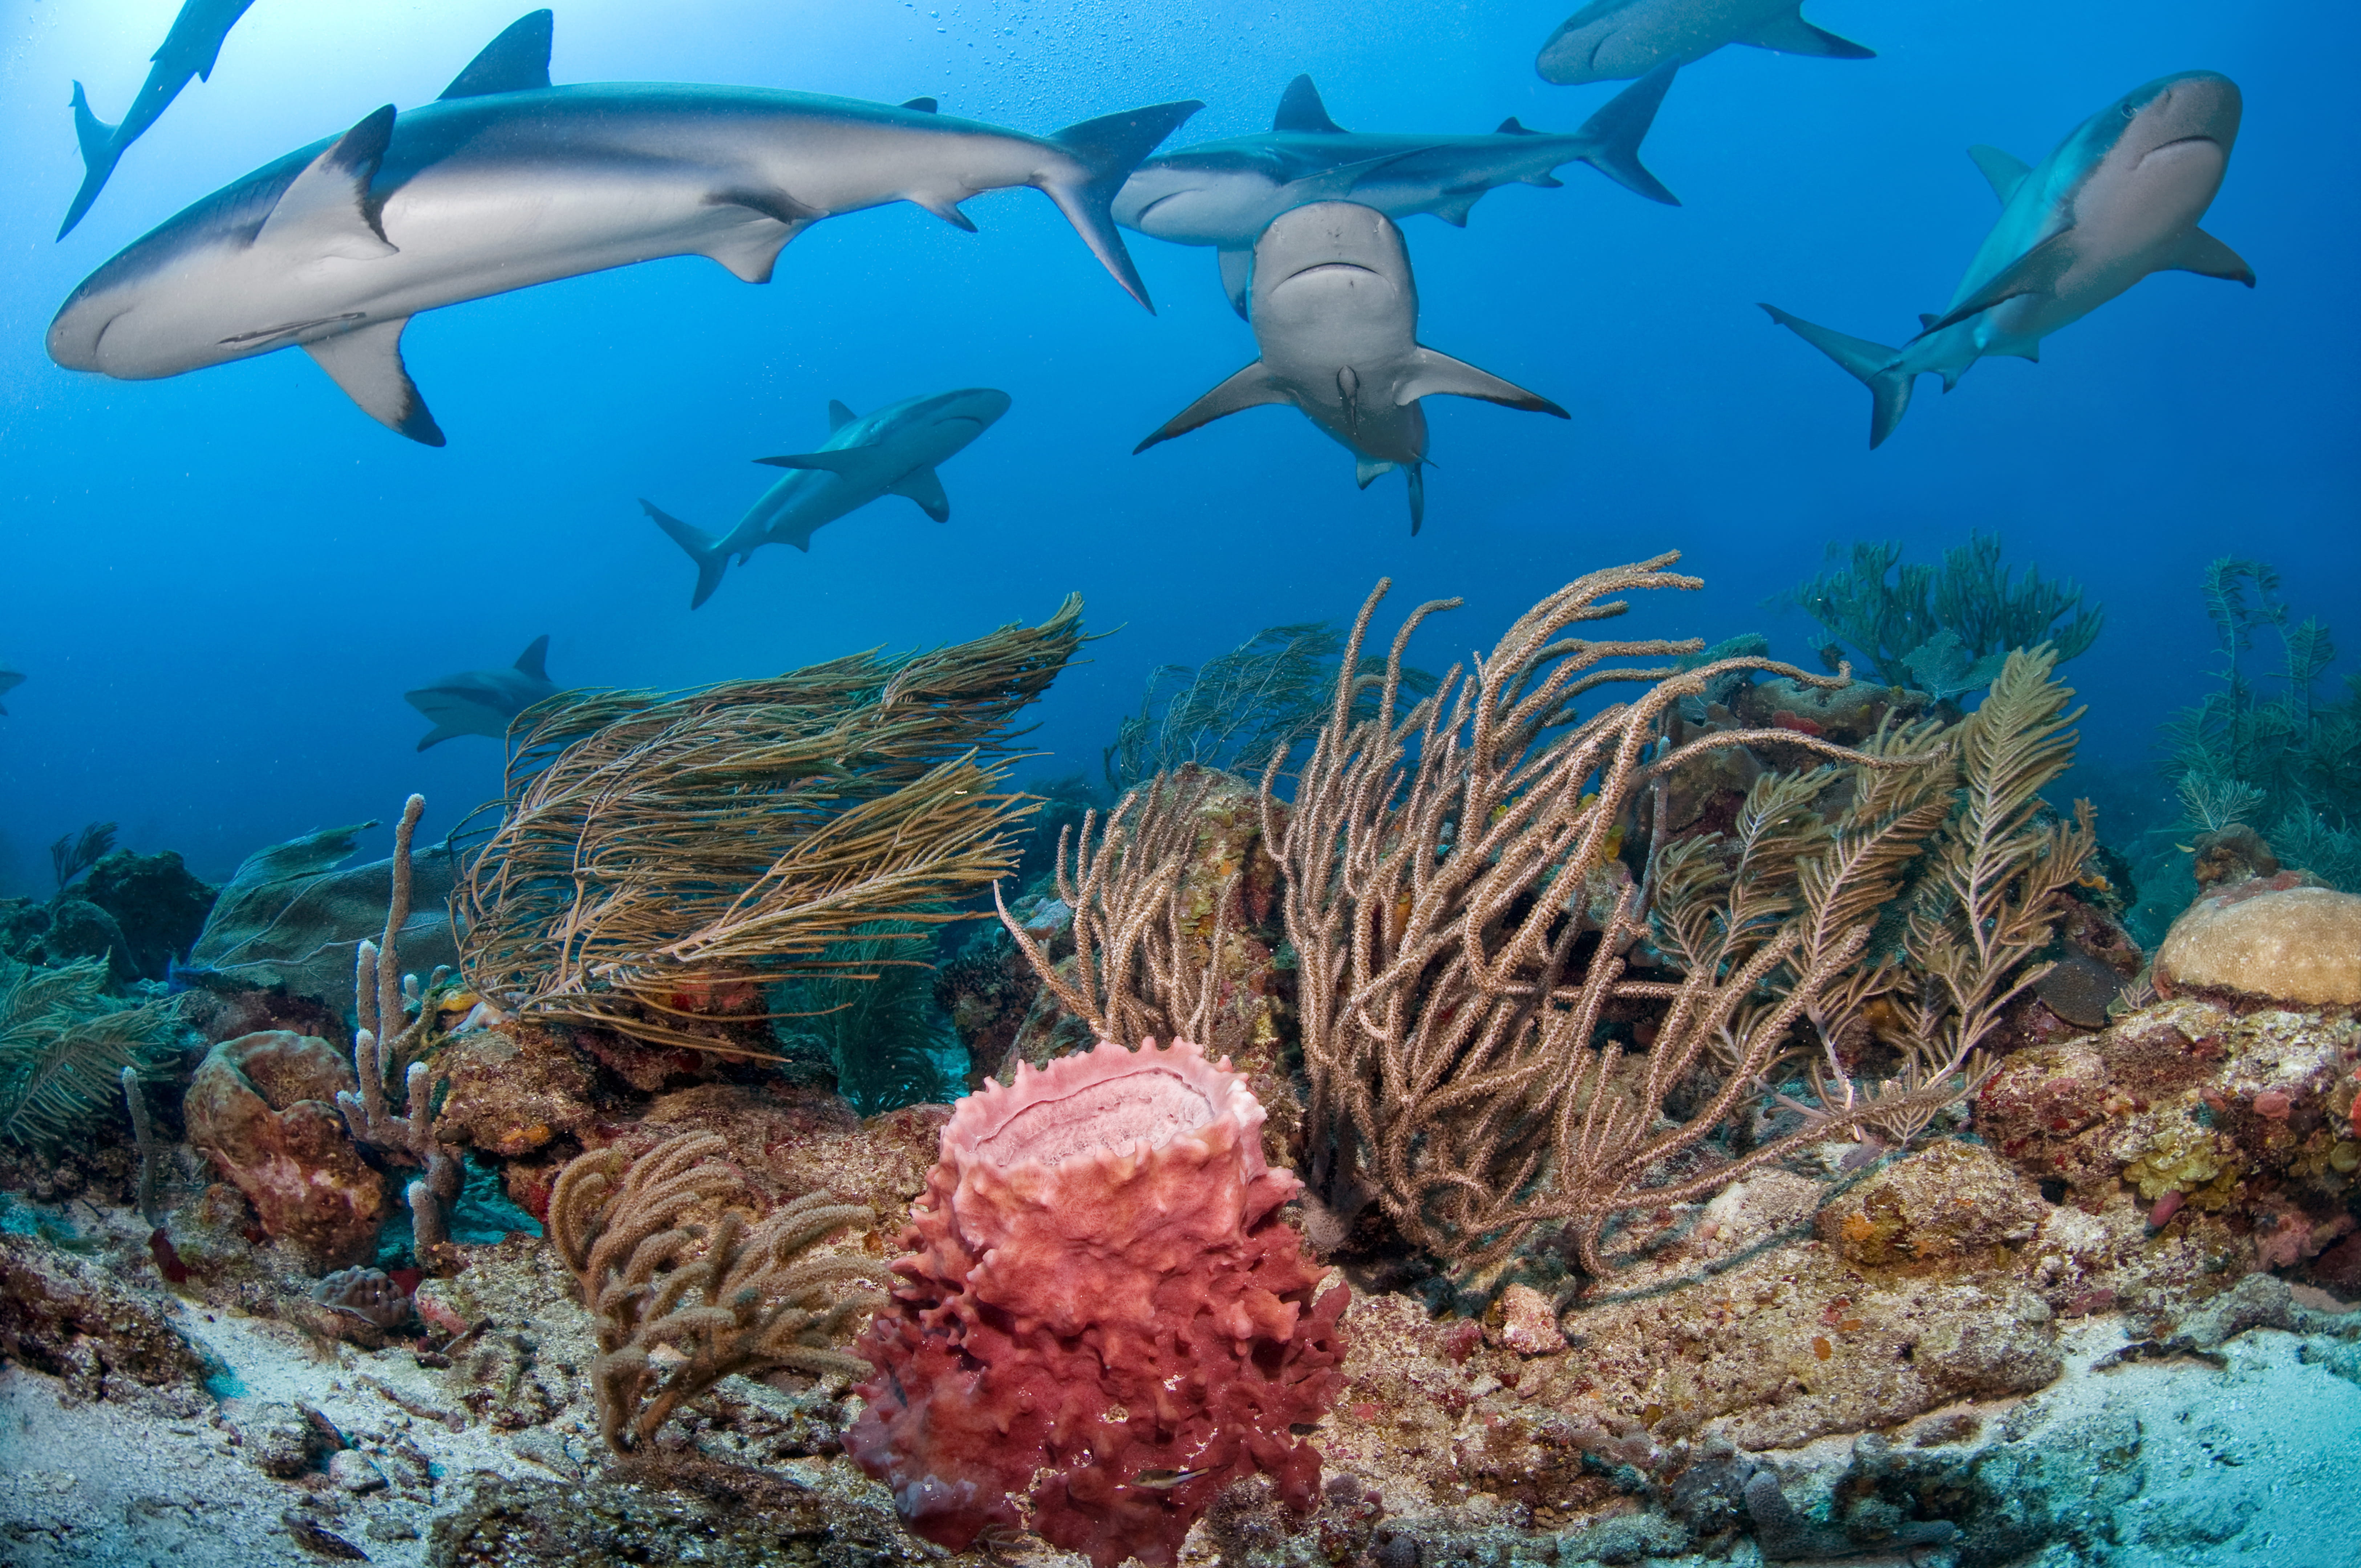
(688, 1287)
(1462, 933)
(651, 848)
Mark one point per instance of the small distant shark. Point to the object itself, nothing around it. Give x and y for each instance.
(9, 680)
(189, 48)
(1335, 316)
(482, 702)
(1609, 41)
(2117, 199)
(891, 452)
(1224, 193)
(506, 181)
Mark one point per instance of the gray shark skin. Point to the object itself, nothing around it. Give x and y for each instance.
(1335, 317)
(1224, 193)
(482, 702)
(1611, 40)
(891, 452)
(9, 680)
(2118, 199)
(189, 49)
(506, 181)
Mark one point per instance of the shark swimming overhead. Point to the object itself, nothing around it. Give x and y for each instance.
(481, 702)
(189, 48)
(1335, 316)
(891, 452)
(2118, 199)
(506, 181)
(9, 680)
(1224, 193)
(1609, 41)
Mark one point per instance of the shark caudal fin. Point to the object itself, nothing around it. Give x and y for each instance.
(1616, 131)
(702, 548)
(1109, 149)
(98, 154)
(1873, 365)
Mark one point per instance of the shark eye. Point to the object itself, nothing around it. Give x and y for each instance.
(2131, 111)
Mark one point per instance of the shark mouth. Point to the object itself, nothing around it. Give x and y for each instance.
(1168, 196)
(2183, 141)
(1318, 267)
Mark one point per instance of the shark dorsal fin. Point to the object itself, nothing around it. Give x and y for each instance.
(839, 416)
(923, 105)
(2004, 171)
(1300, 109)
(326, 209)
(1511, 127)
(516, 61)
(533, 660)
(1927, 318)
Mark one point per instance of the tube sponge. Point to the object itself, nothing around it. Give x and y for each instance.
(1100, 1309)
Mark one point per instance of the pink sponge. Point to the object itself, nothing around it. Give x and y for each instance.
(1101, 1310)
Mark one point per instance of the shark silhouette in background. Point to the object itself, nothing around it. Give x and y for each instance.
(1611, 39)
(1335, 317)
(506, 181)
(2118, 199)
(189, 48)
(1224, 193)
(482, 702)
(890, 451)
(9, 680)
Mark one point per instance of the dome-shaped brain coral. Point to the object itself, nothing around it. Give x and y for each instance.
(2292, 944)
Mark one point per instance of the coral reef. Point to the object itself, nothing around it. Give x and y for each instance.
(682, 1303)
(1100, 1314)
(159, 907)
(873, 1021)
(64, 1044)
(659, 859)
(2270, 937)
(263, 1108)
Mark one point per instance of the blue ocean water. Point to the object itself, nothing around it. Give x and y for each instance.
(219, 585)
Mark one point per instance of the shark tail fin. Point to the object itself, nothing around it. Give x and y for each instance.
(1616, 131)
(1873, 365)
(1107, 149)
(98, 156)
(701, 547)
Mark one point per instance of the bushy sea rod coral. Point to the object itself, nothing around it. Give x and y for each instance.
(1102, 1311)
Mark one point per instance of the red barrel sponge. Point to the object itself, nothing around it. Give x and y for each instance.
(1100, 1312)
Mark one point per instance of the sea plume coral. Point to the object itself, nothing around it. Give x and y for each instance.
(1102, 1312)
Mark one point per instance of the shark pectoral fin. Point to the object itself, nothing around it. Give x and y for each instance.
(943, 208)
(1365, 469)
(1250, 388)
(1237, 278)
(2036, 272)
(1547, 181)
(710, 561)
(2004, 171)
(839, 416)
(1873, 365)
(1438, 375)
(437, 735)
(367, 363)
(2208, 258)
(1300, 109)
(1456, 205)
(925, 487)
(751, 251)
(327, 210)
(1336, 183)
(1790, 34)
(1614, 135)
(923, 105)
(535, 660)
(516, 61)
(1415, 476)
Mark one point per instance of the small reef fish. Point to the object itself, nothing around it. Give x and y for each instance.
(891, 452)
(1224, 193)
(1335, 317)
(2117, 199)
(506, 181)
(1609, 41)
(482, 702)
(9, 680)
(189, 47)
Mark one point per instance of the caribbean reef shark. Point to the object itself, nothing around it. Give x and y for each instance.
(482, 702)
(506, 181)
(9, 680)
(1224, 193)
(891, 452)
(2117, 199)
(1611, 39)
(189, 49)
(1335, 316)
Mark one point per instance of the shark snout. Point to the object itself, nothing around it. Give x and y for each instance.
(2196, 105)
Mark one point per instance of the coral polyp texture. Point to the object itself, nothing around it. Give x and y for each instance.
(1102, 1311)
